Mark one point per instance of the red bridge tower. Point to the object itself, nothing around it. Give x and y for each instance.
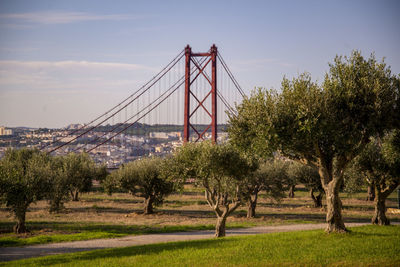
(210, 56)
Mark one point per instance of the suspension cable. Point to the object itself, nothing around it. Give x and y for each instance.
(181, 81)
(131, 124)
(113, 114)
(226, 103)
(180, 55)
(231, 75)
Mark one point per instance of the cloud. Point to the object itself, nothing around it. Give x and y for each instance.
(71, 75)
(70, 64)
(55, 17)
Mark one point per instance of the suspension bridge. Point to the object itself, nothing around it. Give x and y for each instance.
(185, 92)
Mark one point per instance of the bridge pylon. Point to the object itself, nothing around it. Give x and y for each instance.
(208, 58)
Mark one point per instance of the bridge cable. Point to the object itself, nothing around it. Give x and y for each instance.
(112, 115)
(231, 75)
(180, 55)
(149, 105)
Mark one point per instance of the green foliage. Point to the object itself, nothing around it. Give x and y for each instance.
(245, 129)
(305, 175)
(354, 181)
(142, 178)
(380, 160)
(325, 127)
(379, 164)
(24, 179)
(80, 170)
(271, 176)
(71, 175)
(220, 169)
(303, 248)
(59, 191)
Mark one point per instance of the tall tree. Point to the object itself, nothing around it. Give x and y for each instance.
(24, 179)
(220, 169)
(325, 127)
(379, 163)
(142, 178)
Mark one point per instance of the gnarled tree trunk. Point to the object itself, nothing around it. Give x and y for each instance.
(75, 195)
(316, 199)
(334, 216)
(371, 193)
(20, 227)
(148, 205)
(251, 206)
(380, 210)
(220, 226)
(334, 209)
(291, 191)
(251, 209)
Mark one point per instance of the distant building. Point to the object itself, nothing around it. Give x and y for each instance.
(165, 135)
(5, 131)
(158, 135)
(74, 126)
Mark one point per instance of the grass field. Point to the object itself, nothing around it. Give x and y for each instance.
(363, 246)
(98, 215)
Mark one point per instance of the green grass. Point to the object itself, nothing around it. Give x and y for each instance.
(86, 231)
(363, 246)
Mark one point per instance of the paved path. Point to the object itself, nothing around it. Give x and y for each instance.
(16, 253)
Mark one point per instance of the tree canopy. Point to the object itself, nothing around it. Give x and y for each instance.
(142, 178)
(322, 126)
(220, 169)
(379, 164)
(24, 179)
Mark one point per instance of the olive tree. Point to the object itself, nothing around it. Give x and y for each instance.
(379, 163)
(325, 126)
(271, 177)
(59, 186)
(72, 173)
(142, 178)
(24, 179)
(80, 171)
(309, 177)
(220, 169)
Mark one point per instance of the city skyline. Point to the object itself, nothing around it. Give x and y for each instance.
(56, 56)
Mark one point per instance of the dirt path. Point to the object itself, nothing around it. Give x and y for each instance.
(16, 253)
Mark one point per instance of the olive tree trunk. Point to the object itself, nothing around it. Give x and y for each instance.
(317, 199)
(291, 191)
(251, 206)
(251, 209)
(20, 227)
(380, 198)
(220, 227)
(75, 195)
(222, 208)
(370, 192)
(380, 210)
(334, 209)
(148, 205)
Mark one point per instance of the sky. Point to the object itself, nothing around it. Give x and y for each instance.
(64, 62)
